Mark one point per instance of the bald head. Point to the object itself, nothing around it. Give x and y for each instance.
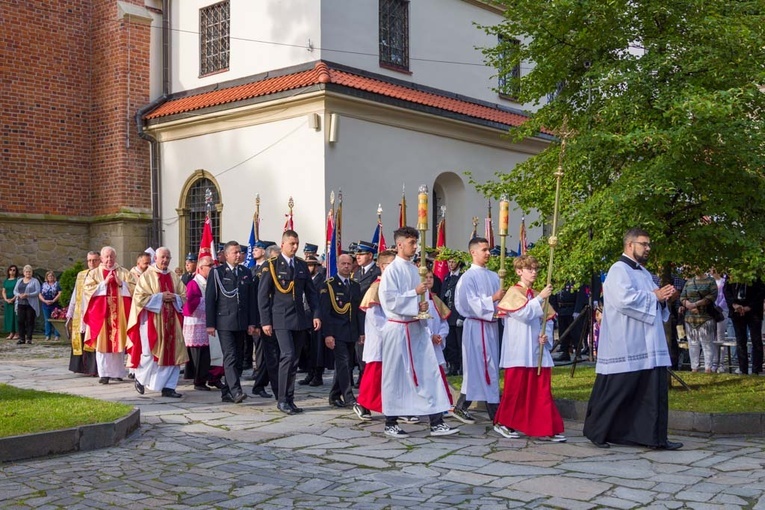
(344, 265)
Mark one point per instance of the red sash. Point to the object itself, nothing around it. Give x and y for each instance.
(483, 344)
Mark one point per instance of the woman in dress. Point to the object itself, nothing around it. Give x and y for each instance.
(11, 277)
(27, 291)
(49, 295)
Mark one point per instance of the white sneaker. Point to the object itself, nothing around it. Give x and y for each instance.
(463, 416)
(409, 419)
(362, 412)
(442, 429)
(395, 431)
(506, 432)
(557, 438)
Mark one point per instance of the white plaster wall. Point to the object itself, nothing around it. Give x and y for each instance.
(371, 162)
(265, 35)
(277, 160)
(442, 46)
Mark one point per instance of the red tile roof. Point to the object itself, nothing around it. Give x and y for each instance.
(324, 74)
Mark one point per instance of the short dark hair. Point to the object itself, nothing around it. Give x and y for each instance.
(8, 271)
(290, 233)
(405, 233)
(634, 233)
(477, 240)
(230, 244)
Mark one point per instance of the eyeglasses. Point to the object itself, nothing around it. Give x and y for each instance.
(644, 244)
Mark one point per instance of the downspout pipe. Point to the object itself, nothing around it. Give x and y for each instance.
(155, 235)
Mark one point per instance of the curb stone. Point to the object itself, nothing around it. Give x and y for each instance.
(83, 438)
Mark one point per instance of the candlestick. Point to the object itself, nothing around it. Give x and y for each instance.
(422, 226)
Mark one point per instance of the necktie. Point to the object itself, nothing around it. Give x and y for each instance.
(292, 270)
(347, 285)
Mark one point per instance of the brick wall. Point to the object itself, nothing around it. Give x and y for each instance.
(73, 75)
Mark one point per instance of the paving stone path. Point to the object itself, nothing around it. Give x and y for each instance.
(197, 452)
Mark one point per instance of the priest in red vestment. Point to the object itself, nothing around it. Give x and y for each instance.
(106, 298)
(155, 329)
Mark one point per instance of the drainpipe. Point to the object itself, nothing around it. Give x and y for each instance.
(155, 236)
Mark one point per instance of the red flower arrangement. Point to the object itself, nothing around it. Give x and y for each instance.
(58, 313)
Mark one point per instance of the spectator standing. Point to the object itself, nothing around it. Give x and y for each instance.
(11, 322)
(698, 297)
(453, 348)
(27, 291)
(49, 296)
(745, 306)
(722, 326)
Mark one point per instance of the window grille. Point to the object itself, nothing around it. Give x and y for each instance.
(394, 34)
(214, 42)
(196, 210)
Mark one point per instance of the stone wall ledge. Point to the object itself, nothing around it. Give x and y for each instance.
(686, 421)
(56, 442)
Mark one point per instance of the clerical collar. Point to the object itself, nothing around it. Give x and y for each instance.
(630, 262)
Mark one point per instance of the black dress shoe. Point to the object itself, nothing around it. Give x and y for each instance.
(226, 397)
(103, 380)
(601, 445)
(131, 376)
(670, 445)
(295, 409)
(139, 387)
(239, 398)
(21, 342)
(118, 379)
(307, 380)
(285, 408)
(316, 381)
(336, 403)
(201, 387)
(169, 392)
(217, 384)
(261, 392)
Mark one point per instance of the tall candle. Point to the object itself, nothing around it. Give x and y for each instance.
(422, 208)
(504, 215)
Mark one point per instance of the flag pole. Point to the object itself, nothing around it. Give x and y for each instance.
(379, 227)
(504, 221)
(553, 240)
(256, 217)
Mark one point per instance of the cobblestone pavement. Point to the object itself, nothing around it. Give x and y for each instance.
(197, 452)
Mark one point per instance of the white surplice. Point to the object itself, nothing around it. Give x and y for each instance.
(520, 338)
(411, 379)
(632, 331)
(374, 323)
(437, 326)
(480, 334)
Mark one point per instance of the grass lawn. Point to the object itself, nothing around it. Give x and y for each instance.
(30, 411)
(710, 393)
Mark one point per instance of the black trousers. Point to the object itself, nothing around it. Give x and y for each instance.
(266, 363)
(247, 353)
(200, 364)
(453, 348)
(26, 319)
(232, 345)
(290, 345)
(629, 408)
(342, 381)
(740, 326)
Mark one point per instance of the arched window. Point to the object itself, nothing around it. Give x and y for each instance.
(194, 209)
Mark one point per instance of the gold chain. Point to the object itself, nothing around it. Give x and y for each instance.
(340, 311)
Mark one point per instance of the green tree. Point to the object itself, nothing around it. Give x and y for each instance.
(67, 280)
(665, 105)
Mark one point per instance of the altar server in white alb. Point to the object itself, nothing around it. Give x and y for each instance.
(155, 334)
(476, 298)
(438, 328)
(411, 380)
(527, 403)
(629, 403)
